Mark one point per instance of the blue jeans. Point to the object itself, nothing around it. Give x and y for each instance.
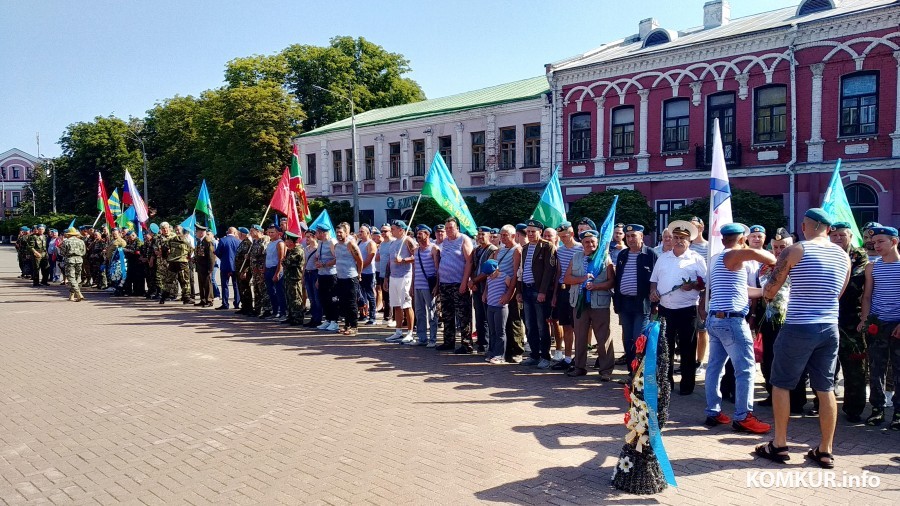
(730, 338)
(496, 319)
(426, 315)
(213, 278)
(634, 314)
(367, 286)
(229, 280)
(537, 330)
(276, 292)
(312, 294)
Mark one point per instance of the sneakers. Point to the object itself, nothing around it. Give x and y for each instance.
(876, 418)
(544, 364)
(464, 349)
(332, 327)
(719, 419)
(391, 324)
(324, 325)
(530, 361)
(395, 337)
(562, 365)
(497, 361)
(701, 370)
(407, 339)
(431, 345)
(370, 322)
(558, 356)
(751, 424)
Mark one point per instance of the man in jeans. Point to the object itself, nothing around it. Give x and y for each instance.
(536, 289)
(729, 333)
(478, 285)
(426, 261)
(632, 298)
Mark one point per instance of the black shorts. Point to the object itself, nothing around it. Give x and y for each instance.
(562, 313)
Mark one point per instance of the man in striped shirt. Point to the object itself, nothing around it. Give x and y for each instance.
(808, 340)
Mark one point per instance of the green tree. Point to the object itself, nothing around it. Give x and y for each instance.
(506, 207)
(339, 211)
(373, 75)
(631, 208)
(747, 207)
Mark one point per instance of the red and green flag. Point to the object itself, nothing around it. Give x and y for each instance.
(296, 185)
(103, 202)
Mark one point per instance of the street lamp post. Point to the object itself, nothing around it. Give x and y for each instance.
(353, 149)
(144, 154)
(3, 191)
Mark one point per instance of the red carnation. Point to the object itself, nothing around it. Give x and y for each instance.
(628, 394)
(635, 364)
(873, 329)
(699, 284)
(627, 417)
(640, 344)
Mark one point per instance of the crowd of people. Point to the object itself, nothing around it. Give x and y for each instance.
(527, 294)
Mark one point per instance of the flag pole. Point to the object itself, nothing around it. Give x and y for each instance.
(268, 208)
(413, 215)
(98, 219)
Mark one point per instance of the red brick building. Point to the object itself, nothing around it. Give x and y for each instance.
(794, 90)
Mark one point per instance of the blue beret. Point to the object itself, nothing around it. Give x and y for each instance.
(243, 230)
(154, 228)
(564, 226)
(439, 226)
(398, 224)
(733, 228)
(257, 227)
(495, 230)
(53, 230)
(388, 225)
(535, 223)
(484, 229)
(24, 229)
(888, 231)
(589, 222)
(489, 267)
(634, 228)
(376, 232)
(41, 225)
(840, 225)
(589, 233)
(520, 227)
(757, 228)
(818, 214)
(420, 228)
(323, 227)
(870, 225)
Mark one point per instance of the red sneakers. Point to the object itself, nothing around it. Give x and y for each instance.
(751, 424)
(720, 419)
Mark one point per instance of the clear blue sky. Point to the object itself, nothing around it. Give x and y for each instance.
(66, 61)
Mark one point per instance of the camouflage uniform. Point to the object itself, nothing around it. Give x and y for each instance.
(244, 275)
(98, 273)
(258, 264)
(74, 251)
(164, 278)
(293, 282)
(40, 264)
(21, 249)
(851, 352)
(148, 257)
(179, 249)
(86, 263)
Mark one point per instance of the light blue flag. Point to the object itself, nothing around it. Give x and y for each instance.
(323, 218)
(204, 205)
(190, 224)
(835, 203)
(598, 260)
(551, 209)
(651, 396)
(71, 224)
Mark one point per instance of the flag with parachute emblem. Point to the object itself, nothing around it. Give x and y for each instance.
(551, 209)
(204, 205)
(836, 204)
(115, 204)
(440, 186)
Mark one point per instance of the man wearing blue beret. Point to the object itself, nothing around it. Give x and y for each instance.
(536, 288)
(809, 338)
(632, 296)
(478, 283)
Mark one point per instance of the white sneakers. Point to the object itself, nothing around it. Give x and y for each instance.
(558, 356)
(395, 337)
(332, 327)
(324, 325)
(408, 339)
(544, 364)
(431, 345)
(497, 361)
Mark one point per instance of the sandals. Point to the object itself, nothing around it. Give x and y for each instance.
(774, 453)
(816, 456)
(349, 331)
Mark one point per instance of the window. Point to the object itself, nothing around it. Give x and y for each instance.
(533, 145)
(508, 148)
(477, 151)
(395, 160)
(16, 197)
(656, 38)
(336, 165)
(721, 107)
(370, 162)
(580, 136)
(770, 114)
(812, 6)
(676, 125)
(351, 174)
(15, 172)
(859, 104)
(310, 169)
(445, 145)
(30, 173)
(863, 202)
(623, 131)
(419, 158)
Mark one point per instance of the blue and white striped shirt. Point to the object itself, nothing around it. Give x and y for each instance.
(628, 285)
(885, 302)
(564, 256)
(816, 284)
(728, 289)
(527, 271)
(453, 261)
(496, 288)
(423, 261)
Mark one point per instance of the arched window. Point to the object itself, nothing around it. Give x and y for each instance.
(811, 6)
(863, 202)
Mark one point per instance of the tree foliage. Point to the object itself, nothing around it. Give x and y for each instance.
(631, 208)
(507, 207)
(338, 210)
(747, 207)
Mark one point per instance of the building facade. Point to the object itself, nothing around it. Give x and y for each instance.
(794, 90)
(493, 138)
(16, 172)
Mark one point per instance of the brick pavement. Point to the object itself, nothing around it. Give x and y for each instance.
(121, 400)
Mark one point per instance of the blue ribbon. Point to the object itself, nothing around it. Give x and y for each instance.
(651, 396)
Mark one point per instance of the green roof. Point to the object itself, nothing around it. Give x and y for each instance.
(501, 94)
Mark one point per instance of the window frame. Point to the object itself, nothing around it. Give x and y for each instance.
(532, 151)
(394, 160)
(369, 162)
(841, 97)
(311, 168)
(620, 134)
(348, 165)
(580, 144)
(678, 128)
(446, 151)
(418, 157)
(15, 198)
(15, 173)
(728, 146)
(479, 158)
(507, 148)
(757, 131)
(337, 166)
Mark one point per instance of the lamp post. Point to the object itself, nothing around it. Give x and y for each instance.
(144, 154)
(3, 191)
(349, 98)
(52, 173)
(33, 201)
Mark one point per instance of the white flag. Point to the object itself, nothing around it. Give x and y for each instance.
(719, 195)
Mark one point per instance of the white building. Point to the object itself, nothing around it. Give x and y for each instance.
(16, 171)
(491, 139)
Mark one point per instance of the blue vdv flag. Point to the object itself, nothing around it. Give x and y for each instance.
(323, 218)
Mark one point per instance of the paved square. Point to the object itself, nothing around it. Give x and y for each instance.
(123, 400)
